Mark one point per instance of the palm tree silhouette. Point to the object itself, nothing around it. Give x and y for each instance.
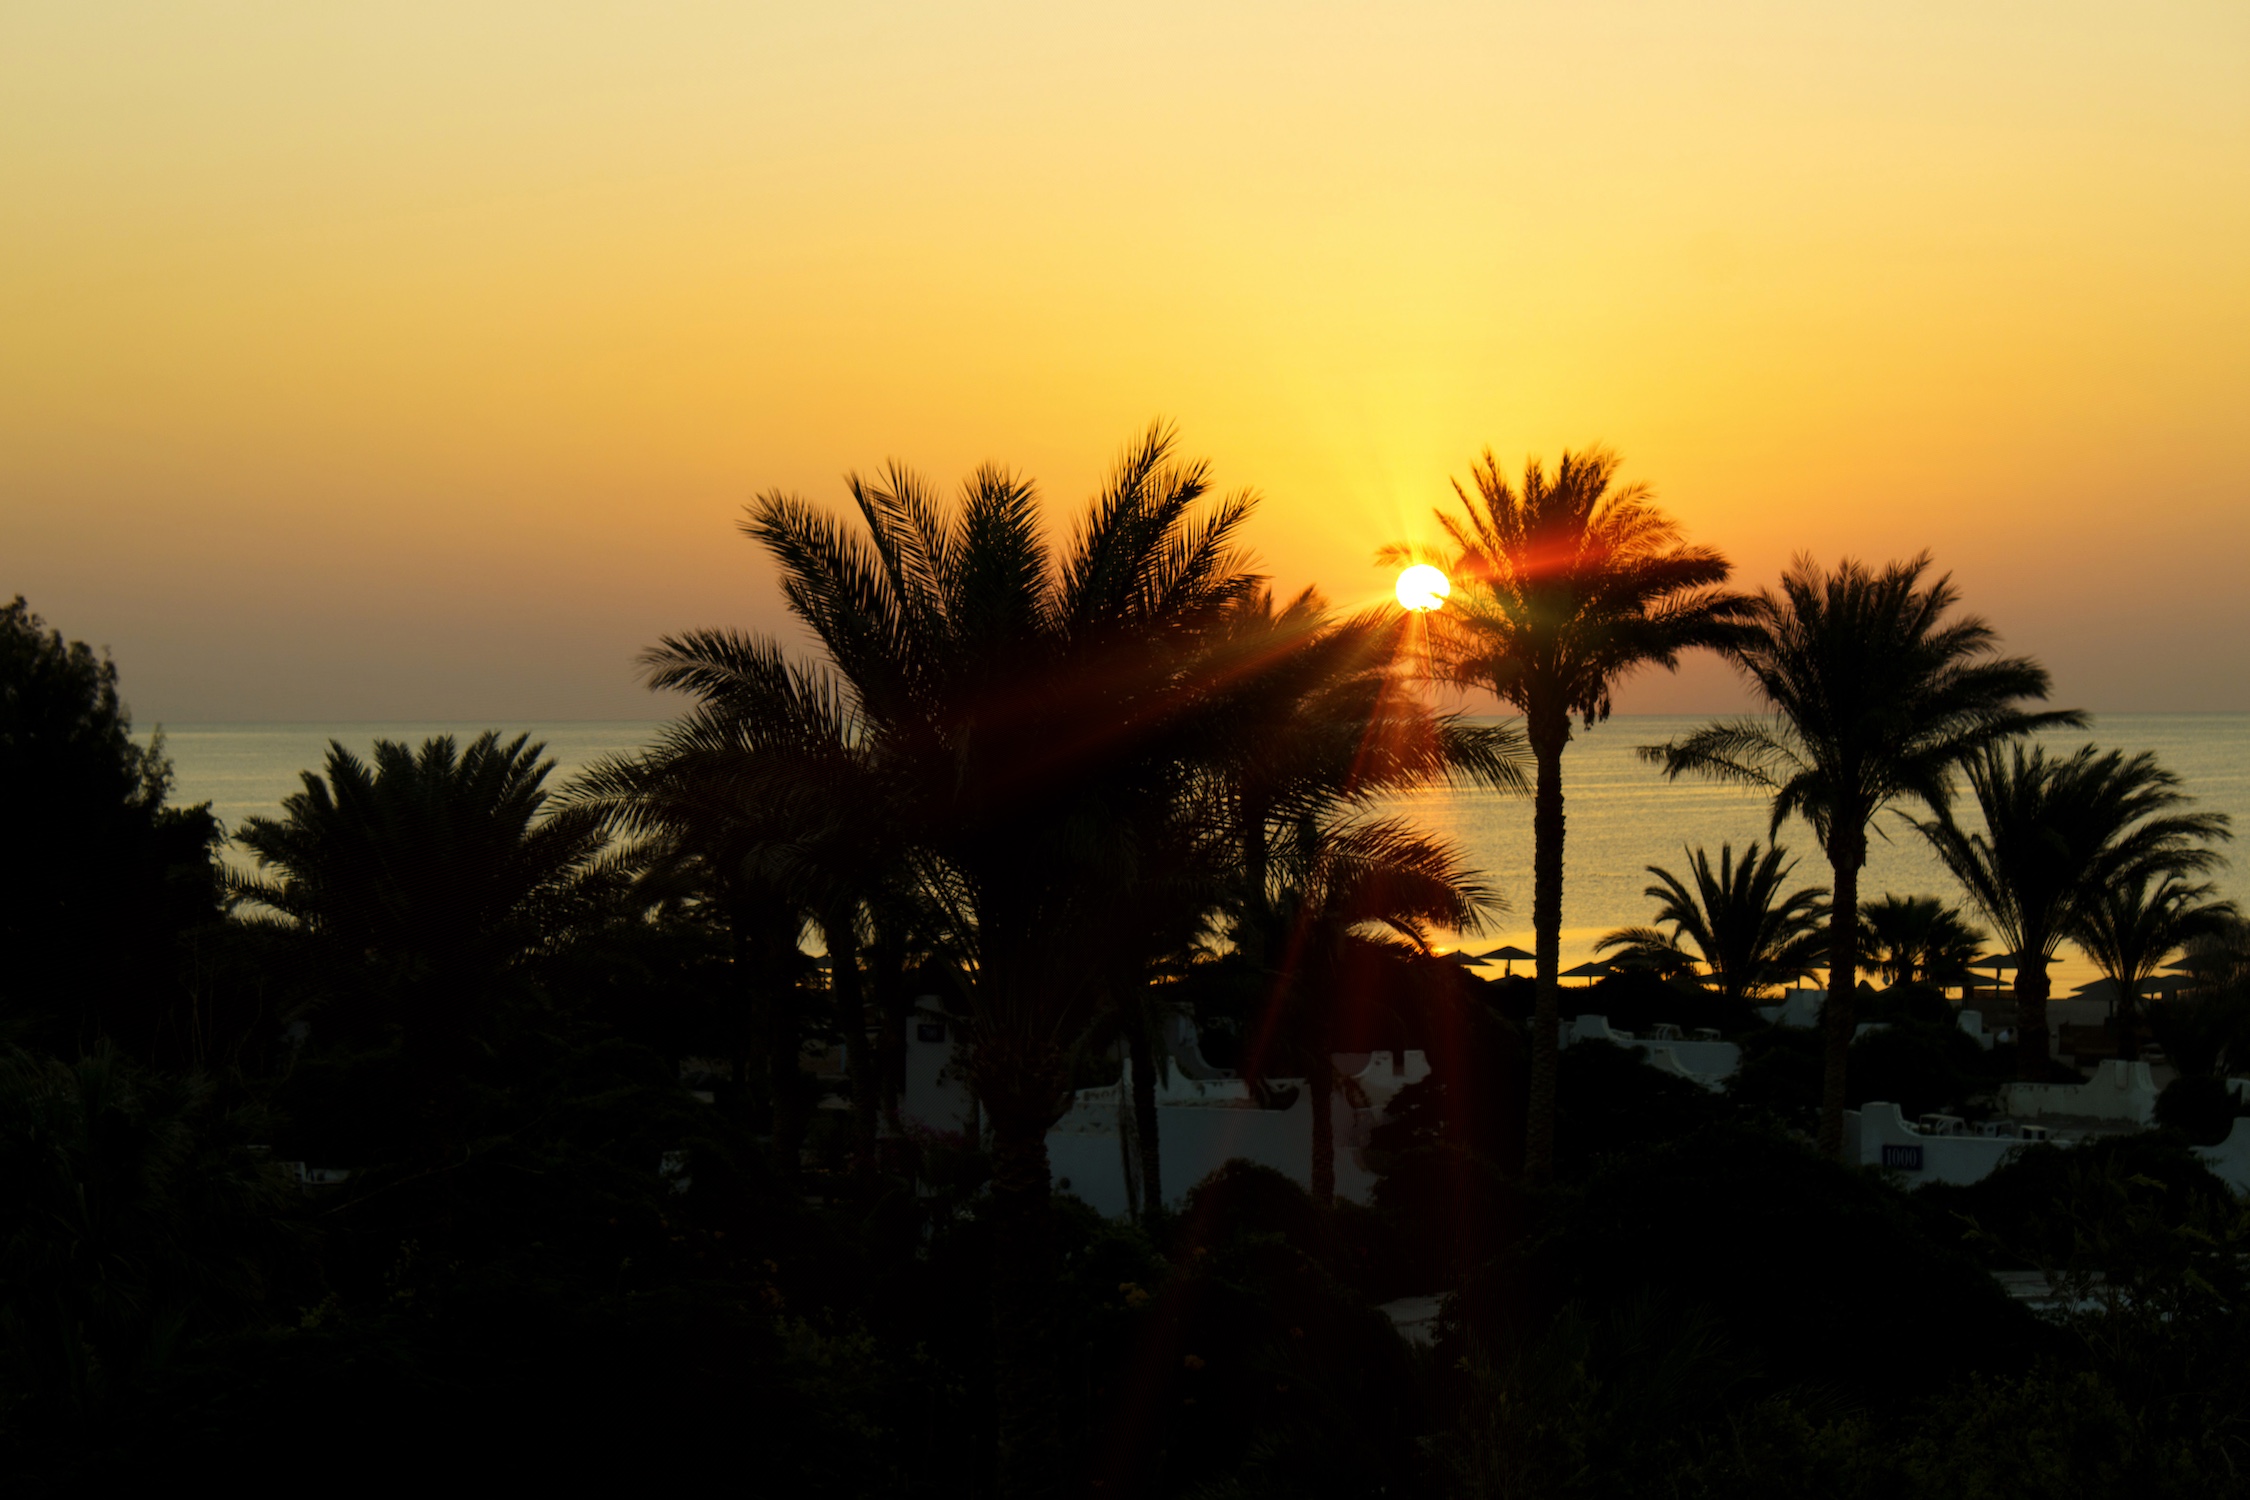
(1140, 942)
(1918, 939)
(1561, 588)
(783, 763)
(1350, 895)
(422, 875)
(1317, 718)
(702, 803)
(1874, 700)
(2057, 830)
(1318, 727)
(2136, 921)
(1018, 707)
(1740, 925)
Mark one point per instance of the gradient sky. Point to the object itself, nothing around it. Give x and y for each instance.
(414, 360)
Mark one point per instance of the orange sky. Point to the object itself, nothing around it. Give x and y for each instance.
(413, 361)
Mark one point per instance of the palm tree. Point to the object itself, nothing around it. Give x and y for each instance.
(1918, 939)
(422, 876)
(1742, 928)
(2057, 831)
(1317, 727)
(1351, 895)
(2136, 921)
(1561, 588)
(1874, 698)
(1317, 717)
(706, 821)
(773, 764)
(1018, 707)
(1141, 943)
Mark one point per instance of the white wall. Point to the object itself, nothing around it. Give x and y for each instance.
(1879, 1136)
(1204, 1123)
(1710, 1064)
(2119, 1090)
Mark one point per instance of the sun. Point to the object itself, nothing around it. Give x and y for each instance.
(1422, 588)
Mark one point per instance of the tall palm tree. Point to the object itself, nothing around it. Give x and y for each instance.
(1742, 928)
(2136, 921)
(1918, 939)
(1018, 704)
(1874, 698)
(2057, 830)
(1563, 586)
(1351, 895)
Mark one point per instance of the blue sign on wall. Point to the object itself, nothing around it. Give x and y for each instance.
(1905, 1158)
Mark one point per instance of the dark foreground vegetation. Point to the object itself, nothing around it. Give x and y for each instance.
(474, 1134)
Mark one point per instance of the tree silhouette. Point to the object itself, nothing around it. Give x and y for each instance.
(108, 878)
(1561, 587)
(1019, 705)
(2136, 921)
(1350, 896)
(1875, 699)
(701, 804)
(1918, 940)
(2057, 831)
(1736, 920)
(774, 766)
(421, 880)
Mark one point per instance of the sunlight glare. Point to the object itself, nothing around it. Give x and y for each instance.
(1422, 588)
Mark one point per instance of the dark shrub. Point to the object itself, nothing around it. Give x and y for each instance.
(1780, 1075)
(2201, 1109)
(1917, 1065)
(1816, 1273)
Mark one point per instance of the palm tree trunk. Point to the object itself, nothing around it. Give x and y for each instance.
(1547, 740)
(1145, 1130)
(1847, 850)
(1320, 1078)
(840, 935)
(893, 1012)
(771, 1033)
(2033, 986)
(1257, 869)
(1022, 1268)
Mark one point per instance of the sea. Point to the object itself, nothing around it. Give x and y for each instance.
(1622, 817)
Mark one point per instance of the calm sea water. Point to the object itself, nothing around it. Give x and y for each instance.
(1622, 816)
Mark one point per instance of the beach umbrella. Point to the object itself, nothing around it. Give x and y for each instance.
(1508, 953)
(1998, 963)
(2156, 986)
(2104, 990)
(1588, 972)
